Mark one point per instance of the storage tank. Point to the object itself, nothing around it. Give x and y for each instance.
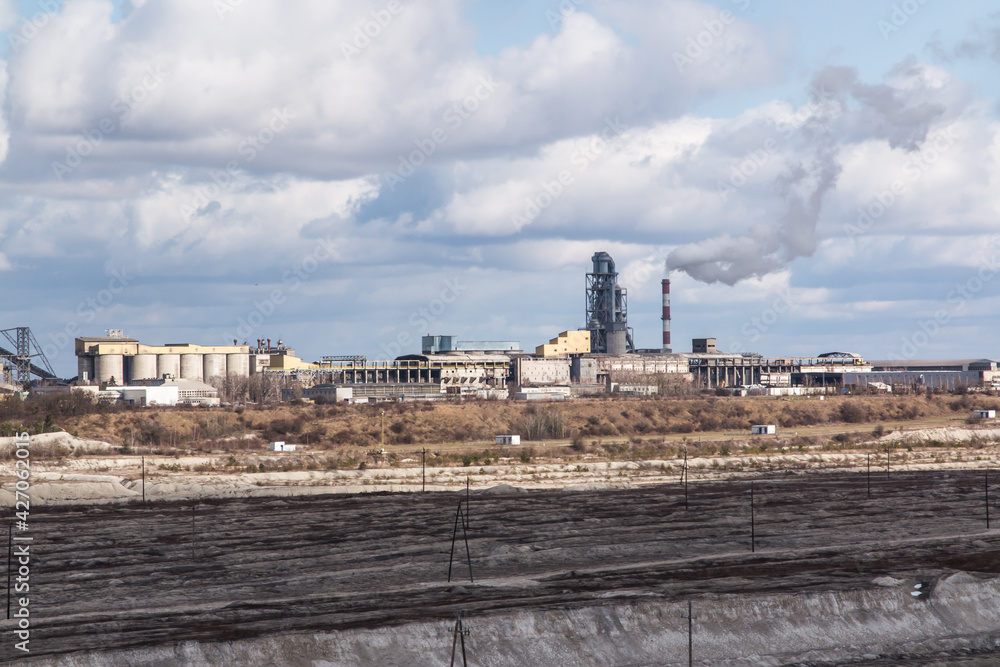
(192, 366)
(168, 364)
(110, 366)
(238, 365)
(143, 367)
(215, 366)
(617, 342)
(85, 369)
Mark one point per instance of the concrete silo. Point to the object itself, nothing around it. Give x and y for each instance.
(238, 365)
(143, 367)
(214, 366)
(192, 366)
(85, 368)
(110, 367)
(168, 364)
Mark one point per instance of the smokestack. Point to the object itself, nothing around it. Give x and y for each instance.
(666, 314)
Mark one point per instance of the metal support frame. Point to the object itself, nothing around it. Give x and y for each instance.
(606, 304)
(26, 348)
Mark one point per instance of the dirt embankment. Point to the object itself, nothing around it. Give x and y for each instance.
(587, 578)
(478, 421)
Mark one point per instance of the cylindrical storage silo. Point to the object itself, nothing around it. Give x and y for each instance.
(617, 343)
(84, 369)
(238, 365)
(215, 366)
(192, 366)
(110, 367)
(168, 364)
(143, 367)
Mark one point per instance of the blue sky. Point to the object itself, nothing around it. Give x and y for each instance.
(192, 171)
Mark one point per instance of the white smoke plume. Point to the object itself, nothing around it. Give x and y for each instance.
(845, 110)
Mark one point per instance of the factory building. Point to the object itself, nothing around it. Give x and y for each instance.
(445, 344)
(116, 359)
(565, 344)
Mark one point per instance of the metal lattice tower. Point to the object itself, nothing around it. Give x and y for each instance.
(26, 348)
(607, 308)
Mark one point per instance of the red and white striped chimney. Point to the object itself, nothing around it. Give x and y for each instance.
(666, 315)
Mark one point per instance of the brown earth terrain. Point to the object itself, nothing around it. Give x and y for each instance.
(113, 584)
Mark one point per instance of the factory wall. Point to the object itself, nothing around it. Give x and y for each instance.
(126, 360)
(534, 371)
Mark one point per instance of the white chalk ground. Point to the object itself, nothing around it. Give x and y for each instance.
(90, 473)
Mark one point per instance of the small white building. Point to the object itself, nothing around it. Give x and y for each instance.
(984, 414)
(763, 429)
(508, 440)
(282, 447)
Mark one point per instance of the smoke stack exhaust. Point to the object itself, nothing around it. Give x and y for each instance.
(666, 315)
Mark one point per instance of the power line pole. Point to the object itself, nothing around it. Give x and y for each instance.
(690, 620)
(459, 632)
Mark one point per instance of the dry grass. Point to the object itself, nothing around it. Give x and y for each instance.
(585, 421)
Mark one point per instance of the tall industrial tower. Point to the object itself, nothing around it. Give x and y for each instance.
(26, 348)
(607, 308)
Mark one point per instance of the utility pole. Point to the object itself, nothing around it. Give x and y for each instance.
(459, 631)
(690, 620)
(685, 478)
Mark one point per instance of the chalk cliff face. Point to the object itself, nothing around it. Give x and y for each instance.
(956, 616)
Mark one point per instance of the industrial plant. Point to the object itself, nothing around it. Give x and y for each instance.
(600, 358)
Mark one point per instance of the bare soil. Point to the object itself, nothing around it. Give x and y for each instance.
(113, 577)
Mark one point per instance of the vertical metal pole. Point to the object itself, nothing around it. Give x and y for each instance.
(454, 534)
(888, 455)
(468, 482)
(685, 478)
(144, 479)
(468, 553)
(192, 532)
(454, 642)
(10, 556)
(465, 661)
(869, 475)
(753, 536)
(690, 636)
(423, 470)
(987, 489)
